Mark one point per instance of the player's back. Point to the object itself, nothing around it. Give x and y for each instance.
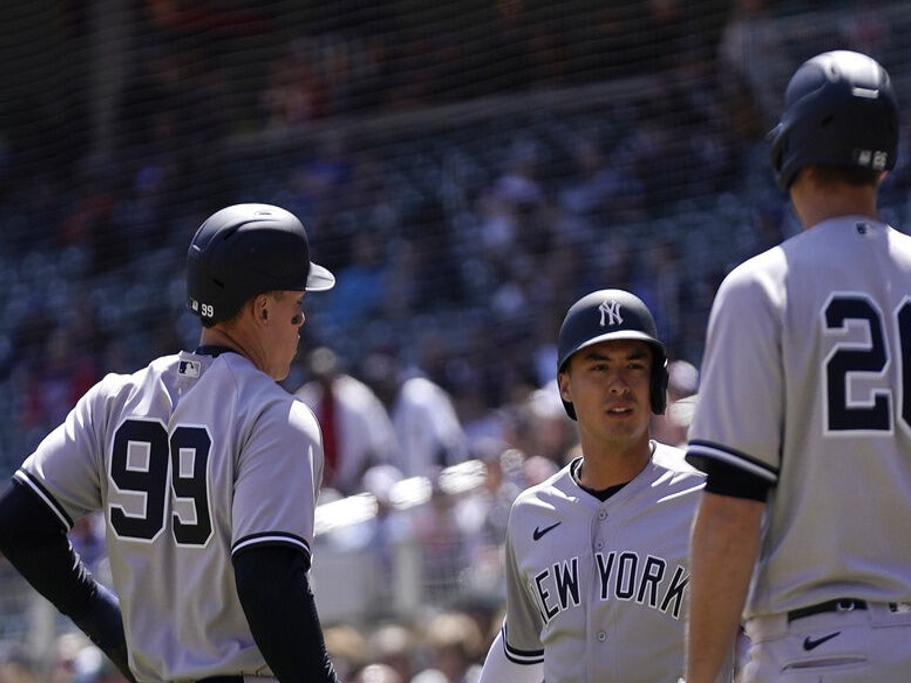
(840, 511)
(180, 457)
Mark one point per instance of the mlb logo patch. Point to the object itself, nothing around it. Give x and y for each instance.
(188, 368)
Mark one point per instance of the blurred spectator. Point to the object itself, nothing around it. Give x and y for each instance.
(518, 214)
(659, 285)
(597, 186)
(361, 284)
(59, 379)
(66, 650)
(430, 676)
(16, 666)
(92, 666)
(456, 645)
(437, 279)
(542, 427)
(357, 431)
(296, 93)
(347, 648)
(394, 646)
(427, 428)
(379, 673)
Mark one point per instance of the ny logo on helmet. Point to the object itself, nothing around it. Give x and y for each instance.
(610, 313)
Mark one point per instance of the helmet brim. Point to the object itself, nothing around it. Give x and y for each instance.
(319, 279)
(619, 335)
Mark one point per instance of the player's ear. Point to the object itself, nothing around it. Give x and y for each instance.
(261, 308)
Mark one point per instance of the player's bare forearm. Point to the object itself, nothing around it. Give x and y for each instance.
(724, 547)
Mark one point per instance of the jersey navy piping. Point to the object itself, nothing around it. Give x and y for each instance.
(32, 482)
(709, 449)
(520, 656)
(575, 473)
(213, 350)
(271, 538)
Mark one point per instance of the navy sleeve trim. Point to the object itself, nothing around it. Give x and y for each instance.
(517, 656)
(698, 450)
(271, 538)
(32, 482)
(725, 479)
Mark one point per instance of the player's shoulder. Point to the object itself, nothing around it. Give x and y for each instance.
(768, 266)
(757, 283)
(115, 384)
(261, 401)
(900, 244)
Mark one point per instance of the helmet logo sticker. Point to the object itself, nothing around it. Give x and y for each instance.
(868, 93)
(610, 313)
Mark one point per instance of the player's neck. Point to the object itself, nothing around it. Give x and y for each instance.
(605, 465)
(235, 339)
(813, 207)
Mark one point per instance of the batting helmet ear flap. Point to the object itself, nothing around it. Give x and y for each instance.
(567, 405)
(659, 382)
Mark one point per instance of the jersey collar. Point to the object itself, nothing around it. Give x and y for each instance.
(213, 350)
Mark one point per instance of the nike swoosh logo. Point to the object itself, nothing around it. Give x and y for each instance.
(811, 644)
(539, 532)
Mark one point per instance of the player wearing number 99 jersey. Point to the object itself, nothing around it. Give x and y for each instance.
(804, 419)
(207, 473)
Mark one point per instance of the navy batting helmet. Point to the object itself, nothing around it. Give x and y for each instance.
(607, 315)
(840, 110)
(245, 250)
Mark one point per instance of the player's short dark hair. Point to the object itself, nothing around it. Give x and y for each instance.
(275, 294)
(655, 355)
(850, 175)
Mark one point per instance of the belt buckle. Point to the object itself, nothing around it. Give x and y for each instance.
(845, 606)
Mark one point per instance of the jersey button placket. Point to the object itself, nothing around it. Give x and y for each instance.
(599, 543)
(601, 636)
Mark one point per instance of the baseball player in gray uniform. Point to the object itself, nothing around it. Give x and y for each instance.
(596, 556)
(207, 473)
(804, 421)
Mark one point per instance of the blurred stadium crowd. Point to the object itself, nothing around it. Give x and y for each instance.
(468, 170)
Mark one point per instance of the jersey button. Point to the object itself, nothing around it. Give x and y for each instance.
(602, 636)
(602, 514)
(599, 545)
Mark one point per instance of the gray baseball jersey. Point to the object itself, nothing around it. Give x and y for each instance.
(807, 383)
(191, 459)
(597, 590)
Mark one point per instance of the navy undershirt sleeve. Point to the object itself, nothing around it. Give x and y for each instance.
(275, 594)
(35, 542)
